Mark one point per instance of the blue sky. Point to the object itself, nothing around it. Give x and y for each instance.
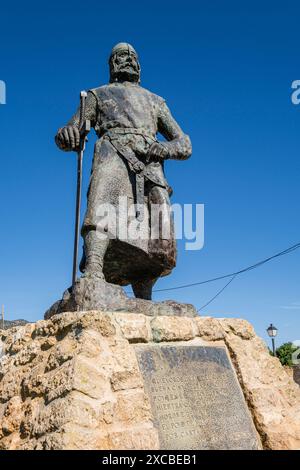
(225, 69)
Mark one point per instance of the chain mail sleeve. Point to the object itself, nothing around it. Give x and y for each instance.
(90, 111)
(179, 145)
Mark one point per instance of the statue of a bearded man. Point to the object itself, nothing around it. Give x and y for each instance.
(128, 162)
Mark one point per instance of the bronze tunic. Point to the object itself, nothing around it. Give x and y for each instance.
(127, 118)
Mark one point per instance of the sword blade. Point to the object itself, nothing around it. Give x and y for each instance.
(77, 216)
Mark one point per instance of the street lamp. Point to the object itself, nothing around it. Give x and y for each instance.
(272, 332)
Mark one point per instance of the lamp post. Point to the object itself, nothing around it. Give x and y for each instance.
(272, 332)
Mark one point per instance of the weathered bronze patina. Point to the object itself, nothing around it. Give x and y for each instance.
(128, 162)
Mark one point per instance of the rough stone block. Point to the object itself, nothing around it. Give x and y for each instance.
(173, 329)
(135, 327)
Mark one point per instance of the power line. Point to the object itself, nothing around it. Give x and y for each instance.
(231, 275)
(220, 291)
(234, 274)
(288, 250)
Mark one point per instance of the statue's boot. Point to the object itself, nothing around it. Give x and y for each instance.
(143, 289)
(94, 252)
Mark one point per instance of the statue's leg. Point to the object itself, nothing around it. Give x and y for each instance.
(143, 289)
(94, 249)
(103, 190)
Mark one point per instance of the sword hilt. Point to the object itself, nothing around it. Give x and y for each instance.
(83, 96)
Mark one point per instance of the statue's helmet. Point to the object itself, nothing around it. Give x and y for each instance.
(124, 62)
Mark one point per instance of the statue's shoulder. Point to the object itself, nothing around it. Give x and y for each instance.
(156, 98)
(104, 91)
(98, 91)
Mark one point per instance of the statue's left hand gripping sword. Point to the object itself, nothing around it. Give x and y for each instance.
(84, 129)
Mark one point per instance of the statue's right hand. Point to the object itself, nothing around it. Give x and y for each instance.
(68, 138)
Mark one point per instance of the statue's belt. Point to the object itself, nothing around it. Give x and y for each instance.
(135, 165)
(114, 132)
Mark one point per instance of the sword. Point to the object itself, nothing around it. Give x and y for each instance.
(84, 128)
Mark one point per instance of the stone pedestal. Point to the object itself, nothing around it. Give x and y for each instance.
(108, 380)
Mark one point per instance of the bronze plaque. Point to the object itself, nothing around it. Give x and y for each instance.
(196, 399)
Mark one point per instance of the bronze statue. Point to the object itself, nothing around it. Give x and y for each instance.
(128, 161)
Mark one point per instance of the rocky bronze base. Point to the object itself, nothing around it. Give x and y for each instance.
(97, 294)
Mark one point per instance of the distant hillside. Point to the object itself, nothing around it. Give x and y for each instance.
(10, 324)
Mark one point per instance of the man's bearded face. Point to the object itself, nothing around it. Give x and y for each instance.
(124, 66)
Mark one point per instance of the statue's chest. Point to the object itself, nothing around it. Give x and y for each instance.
(127, 102)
